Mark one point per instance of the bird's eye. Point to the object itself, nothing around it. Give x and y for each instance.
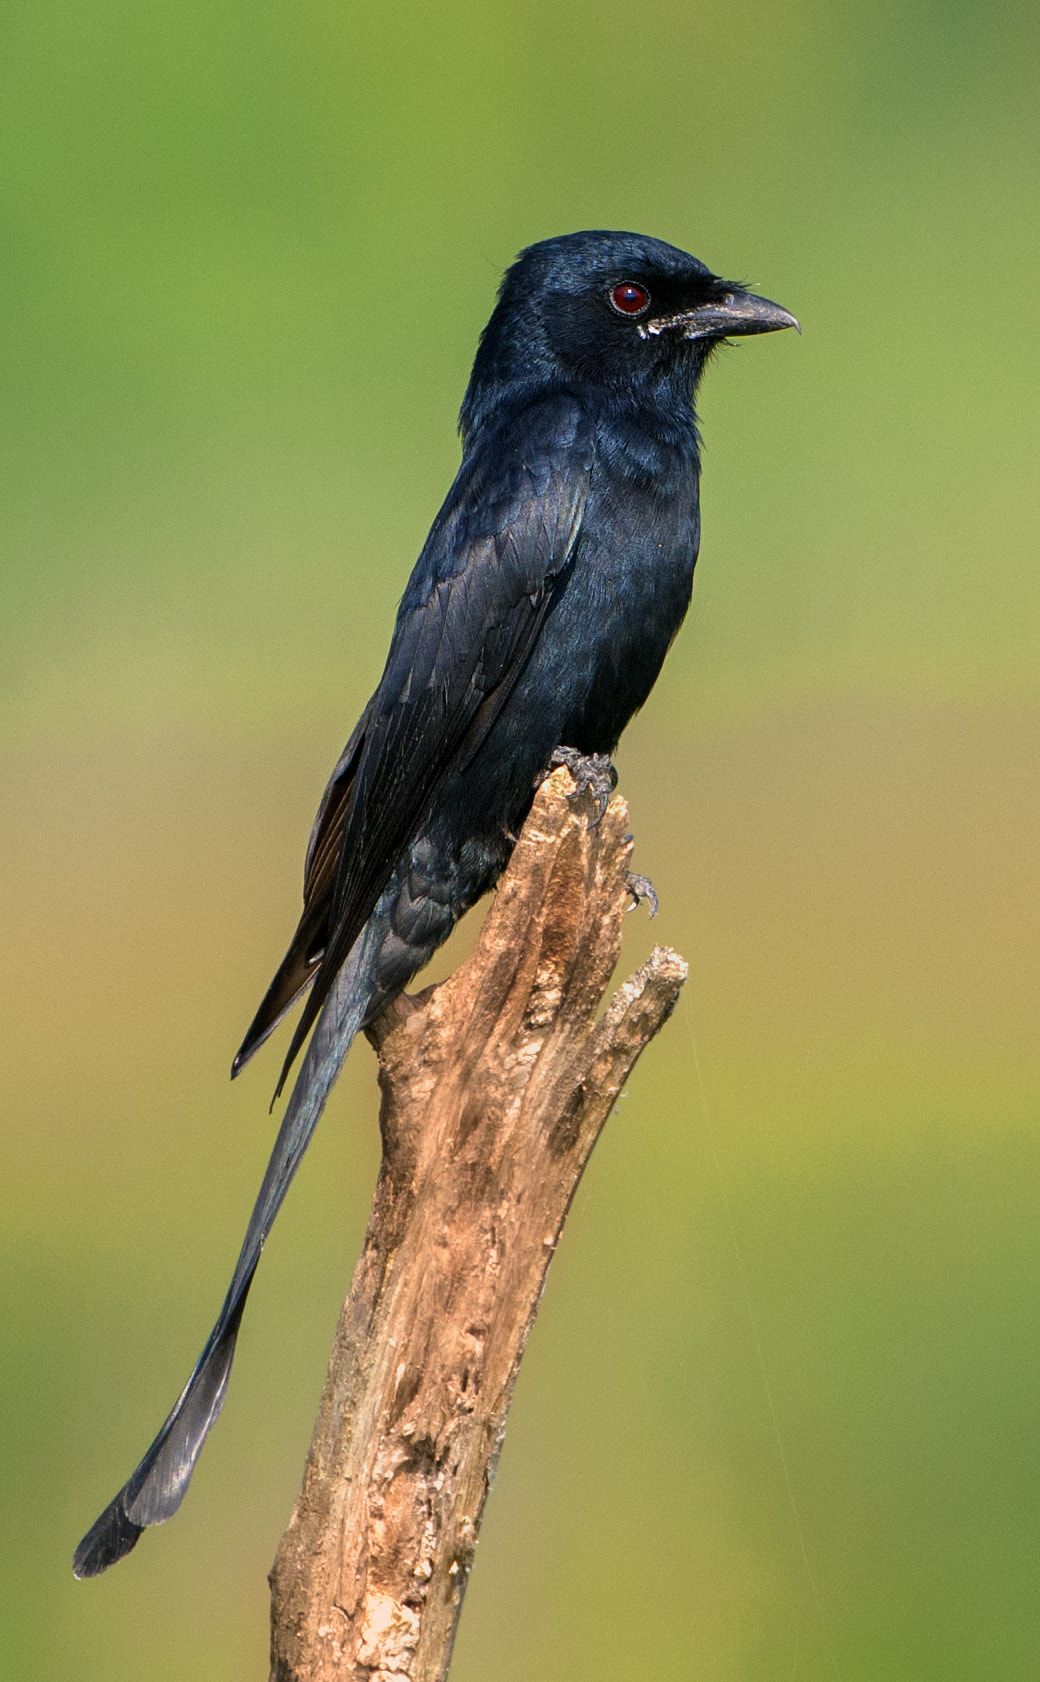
(630, 299)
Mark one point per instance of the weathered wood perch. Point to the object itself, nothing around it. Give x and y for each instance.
(495, 1085)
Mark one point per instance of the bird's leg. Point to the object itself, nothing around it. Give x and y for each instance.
(642, 889)
(593, 773)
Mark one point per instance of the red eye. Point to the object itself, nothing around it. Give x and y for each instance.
(630, 299)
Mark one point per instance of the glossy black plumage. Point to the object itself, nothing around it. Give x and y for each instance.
(538, 614)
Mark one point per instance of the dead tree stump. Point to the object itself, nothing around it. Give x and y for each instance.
(495, 1086)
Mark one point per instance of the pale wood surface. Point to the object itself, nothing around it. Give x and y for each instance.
(495, 1086)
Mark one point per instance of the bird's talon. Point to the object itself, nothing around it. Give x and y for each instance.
(593, 774)
(642, 890)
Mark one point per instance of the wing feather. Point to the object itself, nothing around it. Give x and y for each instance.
(304, 956)
(496, 558)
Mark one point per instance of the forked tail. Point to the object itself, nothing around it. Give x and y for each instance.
(155, 1490)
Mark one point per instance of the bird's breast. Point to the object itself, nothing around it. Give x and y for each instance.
(637, 579)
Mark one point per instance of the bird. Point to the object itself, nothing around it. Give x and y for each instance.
(533, 626)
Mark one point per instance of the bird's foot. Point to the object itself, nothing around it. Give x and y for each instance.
(593, 774)
(642, 890)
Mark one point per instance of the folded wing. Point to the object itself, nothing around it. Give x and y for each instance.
(495, 560)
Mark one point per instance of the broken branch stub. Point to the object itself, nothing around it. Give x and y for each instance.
(495, 1087)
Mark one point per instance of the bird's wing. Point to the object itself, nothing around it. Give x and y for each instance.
(308, 943)
(494, 562)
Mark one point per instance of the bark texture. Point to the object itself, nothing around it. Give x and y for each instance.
(495, 1087)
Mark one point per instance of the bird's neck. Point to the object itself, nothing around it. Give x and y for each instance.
(651, 443)
(658, 411)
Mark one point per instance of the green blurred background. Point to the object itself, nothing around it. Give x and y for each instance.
(780, 1418)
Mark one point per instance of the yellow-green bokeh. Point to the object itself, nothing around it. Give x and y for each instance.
(780, 1418)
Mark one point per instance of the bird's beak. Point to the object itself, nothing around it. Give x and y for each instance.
(734, 313)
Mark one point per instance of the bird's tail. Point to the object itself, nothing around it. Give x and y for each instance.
(155, 1490)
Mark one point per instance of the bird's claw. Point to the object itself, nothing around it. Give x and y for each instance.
(593, 774)
(642, 890)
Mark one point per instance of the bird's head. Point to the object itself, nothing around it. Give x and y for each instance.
(617, 311)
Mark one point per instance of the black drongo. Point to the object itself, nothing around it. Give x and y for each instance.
(536, 619)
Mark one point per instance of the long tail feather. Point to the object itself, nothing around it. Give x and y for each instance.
(156, 1488)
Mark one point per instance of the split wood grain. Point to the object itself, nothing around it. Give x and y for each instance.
(495, 1087)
